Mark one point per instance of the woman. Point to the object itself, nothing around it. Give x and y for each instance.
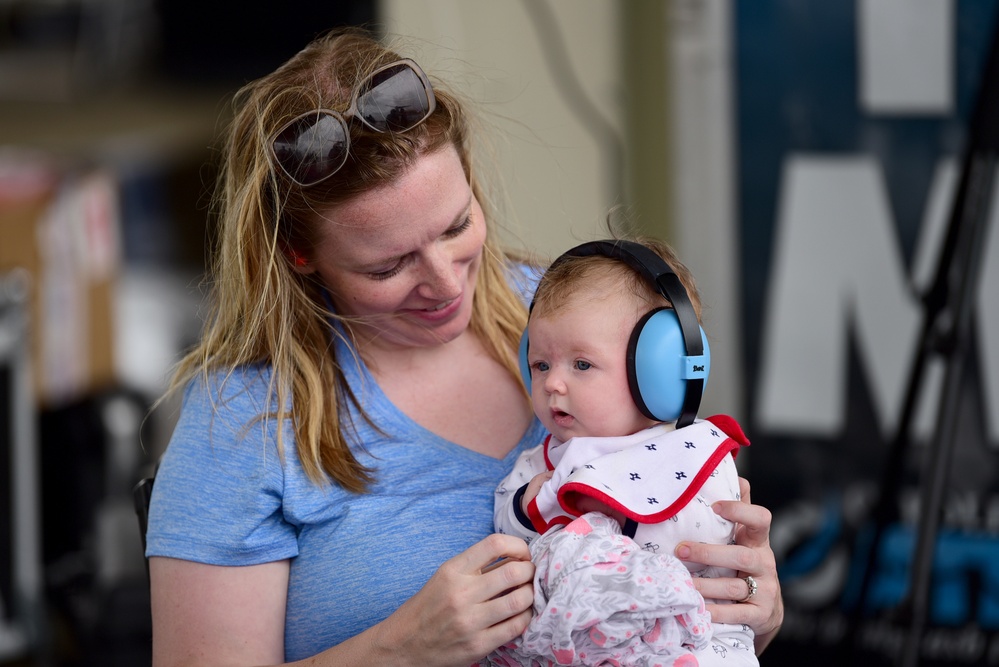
(327, 494)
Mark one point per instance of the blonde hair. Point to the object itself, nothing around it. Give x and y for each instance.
(561, 281)
(265, 311)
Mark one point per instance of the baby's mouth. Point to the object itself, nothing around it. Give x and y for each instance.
(561, 418)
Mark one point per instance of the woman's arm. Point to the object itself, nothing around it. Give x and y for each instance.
(750, 556)
(229, 616)
(210, 614)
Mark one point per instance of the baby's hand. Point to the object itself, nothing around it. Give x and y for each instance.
(533, 488)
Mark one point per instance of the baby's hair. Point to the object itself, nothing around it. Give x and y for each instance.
(560, 282)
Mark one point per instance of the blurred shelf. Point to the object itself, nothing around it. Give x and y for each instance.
(162, 121)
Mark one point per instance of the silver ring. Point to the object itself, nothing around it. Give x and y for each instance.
(751, 584)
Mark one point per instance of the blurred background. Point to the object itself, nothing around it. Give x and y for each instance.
(814, 163)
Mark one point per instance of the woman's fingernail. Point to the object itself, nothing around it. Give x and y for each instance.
(682, 551)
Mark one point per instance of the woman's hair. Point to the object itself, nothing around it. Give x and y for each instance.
(266, 312)
(566, 276)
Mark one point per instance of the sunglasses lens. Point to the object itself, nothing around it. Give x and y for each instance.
(394, 100)
(312, 147)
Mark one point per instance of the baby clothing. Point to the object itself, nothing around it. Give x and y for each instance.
(662, 479)
(601, 600)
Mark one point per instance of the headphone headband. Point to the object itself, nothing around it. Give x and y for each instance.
(657, 272)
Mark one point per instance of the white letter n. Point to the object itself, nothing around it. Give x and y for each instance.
(837, 263)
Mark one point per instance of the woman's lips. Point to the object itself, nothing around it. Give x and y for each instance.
(445, 310)
(440, 306)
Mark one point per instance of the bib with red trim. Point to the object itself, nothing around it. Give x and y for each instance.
(648, 476)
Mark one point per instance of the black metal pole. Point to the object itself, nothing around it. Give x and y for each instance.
(948, 305)
(940, 455)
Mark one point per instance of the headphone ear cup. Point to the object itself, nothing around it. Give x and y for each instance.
(525, 367)
(657, 365)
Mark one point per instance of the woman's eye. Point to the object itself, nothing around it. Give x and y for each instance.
(384, 275)
(582, 365)
(457, 231)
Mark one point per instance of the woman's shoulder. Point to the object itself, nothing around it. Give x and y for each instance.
(235, 386)
(224, 403)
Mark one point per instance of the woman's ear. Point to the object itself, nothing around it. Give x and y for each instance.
(299, 262)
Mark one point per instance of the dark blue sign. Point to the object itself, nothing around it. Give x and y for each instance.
(852, 124)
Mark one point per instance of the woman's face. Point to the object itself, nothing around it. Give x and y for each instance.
(404, 257)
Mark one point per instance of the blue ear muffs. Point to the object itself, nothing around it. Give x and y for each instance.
(660, 373)
(668, 354)
(525, 367)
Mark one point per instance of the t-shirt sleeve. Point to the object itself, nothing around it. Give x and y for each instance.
(218, 493)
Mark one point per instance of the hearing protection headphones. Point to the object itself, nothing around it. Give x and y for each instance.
(668, 354)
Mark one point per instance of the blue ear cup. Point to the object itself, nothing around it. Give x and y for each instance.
(659, 370)
(525, 367)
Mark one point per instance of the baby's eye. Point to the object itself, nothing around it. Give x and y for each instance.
(582, 365)
(541, 366)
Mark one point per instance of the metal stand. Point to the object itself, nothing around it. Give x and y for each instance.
(946, 332)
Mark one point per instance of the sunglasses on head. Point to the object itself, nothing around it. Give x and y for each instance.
(313, 146)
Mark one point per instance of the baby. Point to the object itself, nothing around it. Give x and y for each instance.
(615, 361)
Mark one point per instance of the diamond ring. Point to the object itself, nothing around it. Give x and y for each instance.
(752, 586)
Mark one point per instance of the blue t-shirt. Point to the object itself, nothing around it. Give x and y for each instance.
(224, 496)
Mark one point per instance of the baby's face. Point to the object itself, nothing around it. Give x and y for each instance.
(579, 378)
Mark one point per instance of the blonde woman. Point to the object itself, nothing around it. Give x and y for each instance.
(326, 496)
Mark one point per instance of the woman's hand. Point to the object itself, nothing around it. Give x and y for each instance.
(475, 602)
(751, 555)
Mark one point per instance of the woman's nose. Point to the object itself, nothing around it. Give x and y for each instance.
(440, 279)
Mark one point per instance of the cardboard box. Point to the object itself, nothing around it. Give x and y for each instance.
(60, 224)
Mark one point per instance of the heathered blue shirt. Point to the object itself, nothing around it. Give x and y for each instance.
(223, 496)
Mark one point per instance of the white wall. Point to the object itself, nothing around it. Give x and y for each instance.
(555, 170)
(550, 165)
(701, 70)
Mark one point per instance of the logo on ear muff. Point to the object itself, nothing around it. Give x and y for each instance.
(668, 355)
